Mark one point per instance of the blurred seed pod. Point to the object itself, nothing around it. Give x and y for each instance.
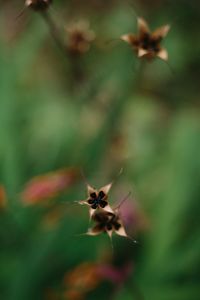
(79, 38)
(147, 44)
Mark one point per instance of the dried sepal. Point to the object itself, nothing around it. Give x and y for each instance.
(147, 44)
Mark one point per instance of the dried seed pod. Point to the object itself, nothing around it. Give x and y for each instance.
(146, 43)
(97, 198)
(38, 5)
(80, 37)
(109, 222)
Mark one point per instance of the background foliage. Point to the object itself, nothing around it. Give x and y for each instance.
(104, 111)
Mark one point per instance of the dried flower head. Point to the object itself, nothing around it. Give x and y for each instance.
(107, 222)
(80, 37)
(148, 44)
(97, 198)
(38, 5)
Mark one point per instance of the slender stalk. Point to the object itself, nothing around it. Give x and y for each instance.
(54, 31)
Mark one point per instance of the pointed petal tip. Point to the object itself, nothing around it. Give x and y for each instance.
(125, 38)
(81, 202)
(142, 25)
(121, 231)
(163, 54)
(106, 188)
(92, 233)
(90, 189)
(142, 52)
(109, 233)
(108, 208)
(91, 212)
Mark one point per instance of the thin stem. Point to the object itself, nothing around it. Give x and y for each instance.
(54, 31)
(123, 200)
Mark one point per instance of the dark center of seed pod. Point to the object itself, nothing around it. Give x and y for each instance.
(149, 43)
(112, 223)
(97, 200)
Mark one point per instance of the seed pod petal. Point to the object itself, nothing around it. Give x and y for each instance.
(163, 54)
(142, 52)
(129, 38)
(142, 27)
(121, 231)
(161, 32)
(108, 208)
(105, 189)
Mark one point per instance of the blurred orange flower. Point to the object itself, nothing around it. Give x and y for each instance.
(87, 276)
(81, 280)
(49, 185)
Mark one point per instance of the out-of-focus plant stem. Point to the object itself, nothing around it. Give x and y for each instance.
(54, 31)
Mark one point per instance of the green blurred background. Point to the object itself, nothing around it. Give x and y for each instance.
(103, 111)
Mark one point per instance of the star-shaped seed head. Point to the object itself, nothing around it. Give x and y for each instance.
(38, 5)
(146, 43)
(108, 222)
(97, 198)
(80, 37)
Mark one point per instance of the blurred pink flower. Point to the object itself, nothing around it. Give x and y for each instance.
(133, 217)
(49, 185)
(115, 275)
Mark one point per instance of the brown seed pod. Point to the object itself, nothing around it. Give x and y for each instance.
(146, 43)
(97, 198)
(80, 37)
(108, 222)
